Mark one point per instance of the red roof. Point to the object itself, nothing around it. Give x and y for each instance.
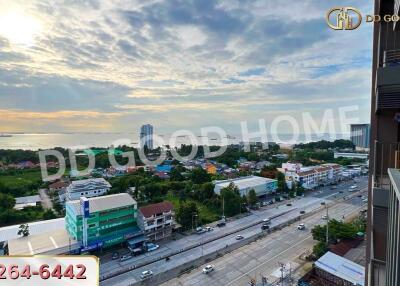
(153, 209)
(58, 185)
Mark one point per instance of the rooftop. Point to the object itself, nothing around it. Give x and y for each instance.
(99, 204)
(55, 242)
(89, 184)
(27, 200)
(342, 268)
(244, 182)
(10, 232)
(153, 209)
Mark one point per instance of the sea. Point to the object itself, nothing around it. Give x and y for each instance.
(42, 141)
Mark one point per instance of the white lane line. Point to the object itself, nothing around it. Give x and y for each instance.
(53, 241)
(272, 258)
(30, 248)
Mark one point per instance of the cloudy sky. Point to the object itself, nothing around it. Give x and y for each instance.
(113, 65)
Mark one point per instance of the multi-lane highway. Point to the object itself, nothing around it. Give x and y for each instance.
(195, 246)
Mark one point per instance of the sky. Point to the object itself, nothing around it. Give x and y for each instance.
(111, 66)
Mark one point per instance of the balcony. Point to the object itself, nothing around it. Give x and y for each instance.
(388, 82)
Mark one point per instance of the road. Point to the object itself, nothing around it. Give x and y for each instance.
(282, 214)
(46, 201)
(262, 257)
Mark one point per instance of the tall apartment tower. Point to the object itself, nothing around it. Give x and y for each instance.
(383, 234)
(360, 135)
(146, 136)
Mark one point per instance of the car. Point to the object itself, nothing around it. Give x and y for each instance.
(125, 257)
(209, 228)
(323, 203)
(365, 200)
(239, 237)
(289, 204)
(266, 220)
(359, 196)
(271, 202)
(333, 188)
(302, 212)
(115, 255)
(301, 226)
(200, 230)
(324, 217)
(209, 268)
(152, 247)
(340, 192)
(221, 224)
(146, 274)
(264, 226)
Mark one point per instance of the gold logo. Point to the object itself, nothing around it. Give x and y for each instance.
(347, 18)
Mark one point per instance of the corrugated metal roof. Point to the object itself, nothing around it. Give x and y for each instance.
(27, 200)
(99, 204)
(10, 232)
(342, 268)
(245, 182)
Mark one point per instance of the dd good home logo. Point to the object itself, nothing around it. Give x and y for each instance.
(344, 18)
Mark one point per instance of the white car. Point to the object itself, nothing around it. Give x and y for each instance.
(152, 247)
(301, 226)
(146, 274)
(239, 237)
(324, 217)
(209, 268)
(266, 220)
(209, 228)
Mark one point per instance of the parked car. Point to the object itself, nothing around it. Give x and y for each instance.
(152, 247)
(301, 226)
(125, 257)
(209, 228)
(200, 230)
(239, 237)
(221, 224)
(115, 255)
(271, 202)
(209, 268)
(264, 226)
(146, 274)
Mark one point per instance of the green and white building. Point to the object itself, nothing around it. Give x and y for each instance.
(101, 222)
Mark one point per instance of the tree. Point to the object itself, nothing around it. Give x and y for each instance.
(252, 197)
(49, 214)
(23, 230)
(281, 182)
(186, 214)
(175, 175)
(232, 199)
(319, 249)
(6, 202)
(200, 176)
(337, 230)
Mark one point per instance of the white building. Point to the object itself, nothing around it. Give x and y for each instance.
(86, 188)
(156, 220)
(313, 176)
(29, 201)
(261, 185)
(146, 136)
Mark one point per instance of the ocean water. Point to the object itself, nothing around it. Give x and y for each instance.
(36, 141)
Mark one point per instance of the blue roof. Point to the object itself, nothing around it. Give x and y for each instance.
(163, 168)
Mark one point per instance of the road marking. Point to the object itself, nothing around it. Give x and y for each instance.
(248, 272)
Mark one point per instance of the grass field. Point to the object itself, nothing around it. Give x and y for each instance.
(21, 178)
(207, 215)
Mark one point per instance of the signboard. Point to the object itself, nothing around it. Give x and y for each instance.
(85, 207)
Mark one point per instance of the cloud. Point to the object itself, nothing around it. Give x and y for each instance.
(179, 60)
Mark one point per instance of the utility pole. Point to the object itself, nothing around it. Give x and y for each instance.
(223, 207)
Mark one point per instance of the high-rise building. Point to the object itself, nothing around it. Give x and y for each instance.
(146, 136)
(360, 135)
(383, 232)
